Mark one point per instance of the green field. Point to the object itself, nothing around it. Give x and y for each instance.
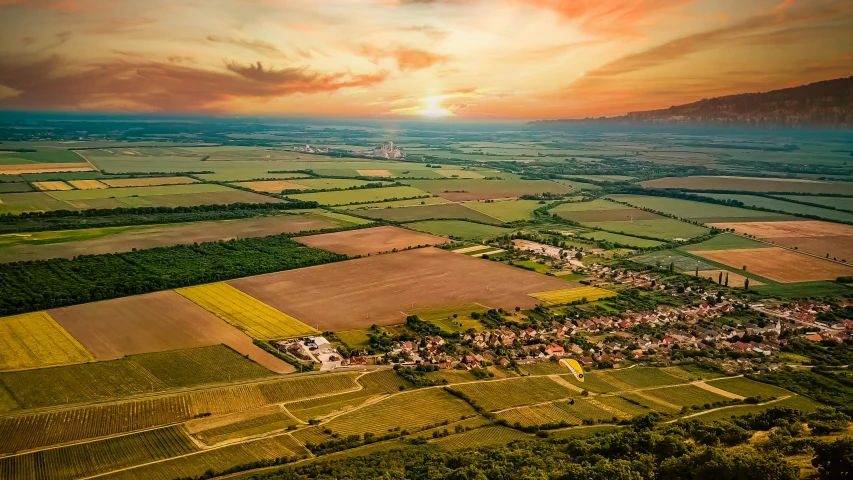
(466, 189)
(508, 210)
(642, 377)
(345, 197)
(663, 229)
(593, 381)
(443, 316)
(748, 388)
(835, 202)
(149, 372)
(269, 422)
(139, 191)
(459, 229)
(752, 184)
(725, 241)
(395, 203)
(788, 207)
(481, 437)
(700, 211)
(42, 155)
(15, 187)
(514, 392)
(329, 183)
(424, 212)
(16, 203)
(621, 239)
(686, 395)
(805, 289)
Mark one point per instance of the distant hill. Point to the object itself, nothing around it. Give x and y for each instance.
(822, 104)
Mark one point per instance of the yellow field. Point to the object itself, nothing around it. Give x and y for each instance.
(51, 186)
(569, 295)
(87, 184)
(35, 340)
(250, 315)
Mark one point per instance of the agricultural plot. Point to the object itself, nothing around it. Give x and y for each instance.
(424, 212)
(593, 381)
(725, 241)
(621, 239)
(779, 264)
(410, 411)
(537, 415)
(300, 388)
(87, 459)
(380, 289)
(515, 392)
(464, 190)
(460, 229)
(748, 184)
(699, 211)
(734, 279)
(663, 229)
(508, 210)
(748, 388)
(600, 211)
(35, 340)
(127, 376)
(452, 318)
(271, 186)
(48, 155)
(52, 186)
(91, 241)
(815, 237)
(787, 207)
(14, 187)
(641, 377)
(367, 195)
(650, 402)
(831, 202)
(16, 203)
(805, 289)
(481, 437)
(569, 295)
(686, 395)
(370, 240)
(628, 409)
(23, 168)
(215, 430)
(87, 184)
(147, 181)
(140, 191)
(679, 261)
(255, 318)
(394, 204)
(152, 323)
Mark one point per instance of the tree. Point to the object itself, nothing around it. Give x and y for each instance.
(720, 280)
(578, 255)
(746, 284)
(671, 267)
(727, 279)
(834, 460)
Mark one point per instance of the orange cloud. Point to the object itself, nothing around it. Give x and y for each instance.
(407, 59)
(608, 16)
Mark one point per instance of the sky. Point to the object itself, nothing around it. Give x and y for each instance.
(499, 59)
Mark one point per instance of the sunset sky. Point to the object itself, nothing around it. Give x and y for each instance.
(375, 58)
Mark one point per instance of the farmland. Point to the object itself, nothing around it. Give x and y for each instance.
(464, 190)
(782, 185)
(664, 229)
(363, 299)
(507, 210)
(35, 340)
(569, 295)
(370, 240)
(699, 211)
(249, 315)
(366, 195)
(424, 212)
(620, 239)
(686, 395)
(787, 207)
(459, 229)
(515, 392)
(748, 388)
(778, 264)
(815, 237)
(148, 181)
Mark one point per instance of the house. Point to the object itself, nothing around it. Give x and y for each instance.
(354, 361)
(504, 361)
(555, 349)
(586, 361)
(815, 337)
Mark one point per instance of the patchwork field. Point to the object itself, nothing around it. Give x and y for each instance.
(52, 186)
(640, 377)
(148, 181)
(17, 169)
(507, 210)
(154, 322)
(788, 207)
(366, 195)
(815, 237)
(600, 211)
(370, 240)
(463, 190)
(779, 264)
(663, 229)
(621, 239)
(70, 243)
(271, 186)
(424, 212)
(87, 184)
(569, 295)
(748, 388)
(251, 316)
(34, 340)
(686, 395)
(748, 184)
(699, 211)
(394, 203)
(459, 229)
(381, 289)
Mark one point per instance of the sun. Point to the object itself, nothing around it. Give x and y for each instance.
(433, 108)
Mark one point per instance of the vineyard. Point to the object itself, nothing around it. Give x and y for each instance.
(308, 386)
(184, 368)
(686, 395)
(536, 415)
(515, 392)
(270, 421)
(641, 377)
(593, 382)
(87, 459)
(481, 437)
(619, 403)
(748, 388)
(569, 295)
(34, 340)
(250, 315)
(649, 402)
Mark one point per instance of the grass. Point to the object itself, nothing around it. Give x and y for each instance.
(531, 265)
(248, 314)
(725, 241)
(481, 437)
(346, 197)
(131, 375)
(689, 208)
(748, 388)
(788, 207)
(425, 212)
(569, 295)
(621, 239)
(508, 210)
(442, 316)
(515, 392)
(686, 395)
(679, 261)
(663, 229)
(253, 426)
(34, 340)
(459, 229)
(805, 289)
(139, 191)
(643, 377)
(82, 460)
(395, 203)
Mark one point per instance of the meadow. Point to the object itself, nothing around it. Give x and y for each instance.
(666, 229)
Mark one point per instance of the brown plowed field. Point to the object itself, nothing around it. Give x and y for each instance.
(370, 240)
(815, 237)
(840, 248)
(381, 289)
(154, 322)
(735, 280)
(778, 264)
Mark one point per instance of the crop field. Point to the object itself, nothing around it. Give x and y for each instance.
(128, 376)
(787, 207)
(70, 243)
(481, 437)
(464, 190)
(545, 414)
(507, 210)
(686, 395)
(34, 340)
(725, 241)
(748, 388)
(155, 322)
(641, 377)
(515, 392)
(367, 195)
(19, 169)
(394, 204)
(734, 279)
(424, 212)
(779, 264)
(663, 229)
(43, 155)
(629, 409)
(747, 184)
(410, 411)
(218, 459)
(271, 186)
(805, 289)
(300, 388)
(569, 295)
(374, 173)
(380, 289)
(246, 424)
(65, 176)
(52, 186)
(14, 187)
(831, 202)
(101, 456)
(600, 211)
(679, 261)
(16, 203)
(87, 184)
(443, 316)
(147, 181)
(650, 402)
(459, 229)
(370, 240)
(149, 191)
(621, 239)
(699, 211)
(255, 318)
(593, 381)
(815, 237)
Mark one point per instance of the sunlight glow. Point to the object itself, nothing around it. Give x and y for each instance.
(433, 108)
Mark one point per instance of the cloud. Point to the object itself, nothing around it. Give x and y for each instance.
(607, 16)
(257, 46)
(407, 59)
(434, 33)
(152, 86)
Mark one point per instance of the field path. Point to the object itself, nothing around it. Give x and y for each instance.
(701, 384)
(87, 160)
